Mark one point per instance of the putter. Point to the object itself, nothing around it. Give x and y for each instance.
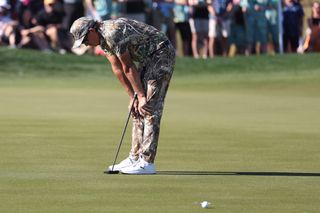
(121, 139)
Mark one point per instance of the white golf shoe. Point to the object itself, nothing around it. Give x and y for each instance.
(129, 161)
(140, 168)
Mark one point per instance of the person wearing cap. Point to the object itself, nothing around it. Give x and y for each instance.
(127, 41)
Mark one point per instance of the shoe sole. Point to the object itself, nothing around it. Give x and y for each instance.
(140, 173)
(114, 169)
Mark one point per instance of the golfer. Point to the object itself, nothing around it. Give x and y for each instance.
(125, 42)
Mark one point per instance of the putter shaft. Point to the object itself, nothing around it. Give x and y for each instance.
(123, 133)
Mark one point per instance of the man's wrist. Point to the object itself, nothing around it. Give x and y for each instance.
(141, 95)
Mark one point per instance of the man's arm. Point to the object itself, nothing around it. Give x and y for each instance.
(130, 71)
(118, 72)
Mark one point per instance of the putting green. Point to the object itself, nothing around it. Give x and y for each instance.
(244, 141)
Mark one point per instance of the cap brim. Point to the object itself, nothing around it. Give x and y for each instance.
(77, 43)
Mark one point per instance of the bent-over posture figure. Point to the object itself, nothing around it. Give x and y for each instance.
(127, 41)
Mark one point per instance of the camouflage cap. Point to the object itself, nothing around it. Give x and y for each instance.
(79, 29)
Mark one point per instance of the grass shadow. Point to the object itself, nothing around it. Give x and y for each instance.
(231, 173)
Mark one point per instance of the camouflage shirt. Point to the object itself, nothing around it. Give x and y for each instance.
(121, 35)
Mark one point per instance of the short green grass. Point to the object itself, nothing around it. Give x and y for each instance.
(242, 133)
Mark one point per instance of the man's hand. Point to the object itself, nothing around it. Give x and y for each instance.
(143, 106)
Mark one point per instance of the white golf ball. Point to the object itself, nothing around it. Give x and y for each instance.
(204, 204)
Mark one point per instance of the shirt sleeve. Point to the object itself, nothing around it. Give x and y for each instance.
(107, 51)
(120, 39)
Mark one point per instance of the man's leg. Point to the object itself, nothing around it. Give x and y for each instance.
(137, 137)
(156, 82)
(137, 126)
(160, 69)
(156, 93)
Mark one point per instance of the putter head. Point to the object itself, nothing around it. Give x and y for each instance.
(111, 172)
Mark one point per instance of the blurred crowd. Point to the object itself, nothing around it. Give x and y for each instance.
(201, 28)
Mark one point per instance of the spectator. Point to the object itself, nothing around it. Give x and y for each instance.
(116, 9)
(32, 36)
(181, 20)
(199, 23)
(50, 17)
(273, 24)
(8, 27)
(156, 15)
(312, 41)
(34, 6)
(223, 24)
(238, 28)
(213, 21)
(166, 19)
(292, 25)
(73, 10)
(133, 9)
(256, 24)
(99, 9)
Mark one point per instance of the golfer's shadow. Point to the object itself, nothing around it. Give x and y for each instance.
(232, 173)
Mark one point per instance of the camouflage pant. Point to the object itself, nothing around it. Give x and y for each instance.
(156, 73)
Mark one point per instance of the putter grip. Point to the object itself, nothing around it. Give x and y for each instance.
(135, 96)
